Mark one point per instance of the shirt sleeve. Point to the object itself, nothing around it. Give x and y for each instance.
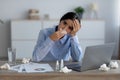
(76, 51)
(43, 46)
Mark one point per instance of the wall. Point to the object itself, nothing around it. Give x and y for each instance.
(18, 9)
(116, 24)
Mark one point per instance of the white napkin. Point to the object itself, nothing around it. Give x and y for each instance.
(113, 65)
(5, 66)
(65, 70)
(64, 32)
(103, 67)
(25, 60)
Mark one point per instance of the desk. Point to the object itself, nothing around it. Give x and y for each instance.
(113, 74)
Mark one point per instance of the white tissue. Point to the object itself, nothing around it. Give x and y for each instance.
(5, 66)
(64, 32)
(25, 60)
(65, 70)
(113, 65)
(103, 67)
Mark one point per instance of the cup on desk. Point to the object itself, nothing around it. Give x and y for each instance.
(12, 56)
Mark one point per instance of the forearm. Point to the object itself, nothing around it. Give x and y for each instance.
(41, 50)
(76, 51)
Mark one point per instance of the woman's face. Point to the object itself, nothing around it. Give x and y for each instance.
(66, 25)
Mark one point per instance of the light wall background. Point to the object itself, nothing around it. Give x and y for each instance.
(18, 9)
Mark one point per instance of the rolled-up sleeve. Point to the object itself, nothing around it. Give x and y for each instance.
(76, 50)
(43, 46)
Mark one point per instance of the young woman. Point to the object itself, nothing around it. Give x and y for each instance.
(59, 42)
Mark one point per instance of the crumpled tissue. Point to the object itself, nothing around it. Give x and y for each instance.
(25, 60)
(65, 70)
(113, 65)
(5, 66)
(103, 67)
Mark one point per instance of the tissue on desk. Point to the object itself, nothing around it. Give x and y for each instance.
(113, 65)
(103, 67)
(5, 66)
(25, 60)
(65, 70)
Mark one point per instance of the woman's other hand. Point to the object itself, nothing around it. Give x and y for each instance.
(76, 27)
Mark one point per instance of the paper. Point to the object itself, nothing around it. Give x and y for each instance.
(35, 67)
(32, 67)
(16, 68)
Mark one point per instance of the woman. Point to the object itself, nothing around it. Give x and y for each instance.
(59, 42)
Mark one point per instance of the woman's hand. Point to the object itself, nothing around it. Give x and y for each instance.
(58, 34)
(76, 27)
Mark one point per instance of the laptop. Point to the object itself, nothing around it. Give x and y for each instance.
(94, 57)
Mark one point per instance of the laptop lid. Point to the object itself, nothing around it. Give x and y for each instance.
(97, 55)
(94, 57)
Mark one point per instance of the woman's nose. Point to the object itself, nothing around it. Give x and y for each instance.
(65, 27)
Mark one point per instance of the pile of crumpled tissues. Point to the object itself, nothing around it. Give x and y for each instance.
(25, 60)
(104, 67)
(5, 66)
(112, 65)
(65, 70)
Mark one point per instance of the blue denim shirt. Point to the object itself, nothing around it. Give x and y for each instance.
(49, 50)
